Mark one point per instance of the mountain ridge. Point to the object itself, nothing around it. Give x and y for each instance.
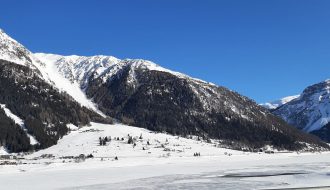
(77, 90)
(277, 103)
(310, 111)
(133, 76)
(28, 93)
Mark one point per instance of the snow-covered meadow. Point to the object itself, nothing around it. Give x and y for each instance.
(159, 161)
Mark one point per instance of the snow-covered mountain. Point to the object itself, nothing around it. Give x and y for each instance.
(34, 113)
(11, 50)
(141, 93)
(277, 103)
(51, 92)
(81, 69)
(311, 110)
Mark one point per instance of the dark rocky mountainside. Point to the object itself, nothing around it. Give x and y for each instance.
(323, 133)
(44, 109)
(12, 136)
(165, 102)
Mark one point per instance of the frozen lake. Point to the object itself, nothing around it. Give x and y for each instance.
(279, 171)
(309, 176)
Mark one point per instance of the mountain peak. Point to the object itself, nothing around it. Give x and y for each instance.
(11, 50)
(311, 111)
(322, 87)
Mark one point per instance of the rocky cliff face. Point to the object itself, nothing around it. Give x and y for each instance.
(311, 111)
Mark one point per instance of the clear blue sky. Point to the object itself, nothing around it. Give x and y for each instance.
(263, 49)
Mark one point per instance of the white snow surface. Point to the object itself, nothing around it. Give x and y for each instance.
(277, 103)
(64, 84)
(166, 163)
(72, 127)
(20, 122)
(3, 151)
(86, 141)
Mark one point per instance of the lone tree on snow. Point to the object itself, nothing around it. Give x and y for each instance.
(130, 140)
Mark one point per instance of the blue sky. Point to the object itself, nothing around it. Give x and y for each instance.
(264, 49)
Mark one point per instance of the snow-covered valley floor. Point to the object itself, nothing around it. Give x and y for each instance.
(159, 161)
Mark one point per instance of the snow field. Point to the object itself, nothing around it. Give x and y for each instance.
(147, 144)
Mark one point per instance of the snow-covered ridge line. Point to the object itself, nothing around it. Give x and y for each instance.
(78, 66)
(13, 51)
(52, 76)
(20, 122)
(277, 103)
(72, 73)
(79, 70)
(8, 43)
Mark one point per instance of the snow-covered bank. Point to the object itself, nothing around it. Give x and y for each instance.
(146, 144)
(158, 161)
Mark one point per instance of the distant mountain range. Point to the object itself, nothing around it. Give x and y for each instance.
(277, 103)
(50, 92)
(309, 111)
